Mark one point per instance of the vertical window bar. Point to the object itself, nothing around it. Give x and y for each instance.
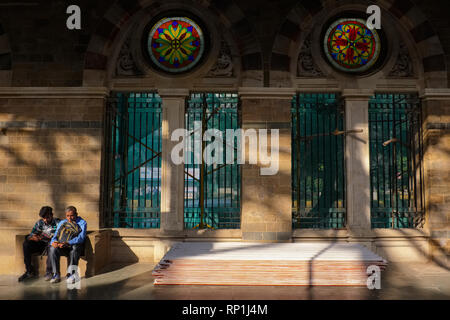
(135, 161)
(317, 173)
(399, 148)
(218, 182)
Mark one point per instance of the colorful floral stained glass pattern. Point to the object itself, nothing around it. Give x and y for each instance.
(350, 46)
(176, 44)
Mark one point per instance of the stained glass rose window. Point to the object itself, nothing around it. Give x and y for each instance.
(176, 44)
(350, 46)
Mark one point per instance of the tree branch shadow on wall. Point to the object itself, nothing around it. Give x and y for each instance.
(429, 142)
(436, 142)
(39, 171)
(46, 171)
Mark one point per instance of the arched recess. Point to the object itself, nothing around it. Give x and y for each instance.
(5, 59)
(111, 34)
(401, 16)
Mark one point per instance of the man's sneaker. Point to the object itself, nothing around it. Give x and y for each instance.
(48, 276)
(55, 279)
(26, 276)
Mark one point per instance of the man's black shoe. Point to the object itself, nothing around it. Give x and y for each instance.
(26, 276)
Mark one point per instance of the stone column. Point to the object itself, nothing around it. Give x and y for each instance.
(357, 160)
(436, 137)
(266, 199)
(172, 176)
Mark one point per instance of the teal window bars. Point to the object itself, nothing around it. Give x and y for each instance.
(212, 192)
(318, 171)
(396, 174)
(133, 160)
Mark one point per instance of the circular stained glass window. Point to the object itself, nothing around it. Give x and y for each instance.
(350, 46)
(175, 44)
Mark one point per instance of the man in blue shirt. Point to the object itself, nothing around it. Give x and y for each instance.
(68, 241)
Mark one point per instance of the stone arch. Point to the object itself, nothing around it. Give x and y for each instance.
(5, 58)
(420, 33)
(102, 42)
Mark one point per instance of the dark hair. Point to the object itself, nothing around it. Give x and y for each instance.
(72, 208)
(45, 211)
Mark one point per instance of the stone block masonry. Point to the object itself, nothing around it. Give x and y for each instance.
(437, 173)
(50, 154)
(266, 200)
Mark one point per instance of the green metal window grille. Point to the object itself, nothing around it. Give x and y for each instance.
(133, 166)
(212, 192)
(396, 161)
(318, 173)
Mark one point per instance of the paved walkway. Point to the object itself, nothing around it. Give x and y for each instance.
(399, 281)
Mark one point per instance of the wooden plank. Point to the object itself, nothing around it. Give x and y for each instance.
(209, 263)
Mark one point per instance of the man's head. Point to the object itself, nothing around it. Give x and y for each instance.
(71, 213)
(46, 214)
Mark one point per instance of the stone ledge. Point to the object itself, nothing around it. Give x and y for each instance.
(266, 93)
(167, 234)
(435, 94)
(51, 124)
(371, 234)
(400, 233)
(54, 92)
(437, 126)
(357, 94)
(312, 233)
(237, 233)
(174, 93)
(267, 236)
(97, 253)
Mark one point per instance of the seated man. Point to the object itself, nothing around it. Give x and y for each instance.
(68, 241)
(38, 241)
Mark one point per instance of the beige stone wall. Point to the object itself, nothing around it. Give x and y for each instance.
(50, 154)
(51, 141)
(266, 199)
(437, 174)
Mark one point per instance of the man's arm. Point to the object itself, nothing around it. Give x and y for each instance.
(82, 235)
(34, 231)
(56, 232)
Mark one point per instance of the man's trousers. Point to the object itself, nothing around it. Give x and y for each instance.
(30, 247)
(74, 252)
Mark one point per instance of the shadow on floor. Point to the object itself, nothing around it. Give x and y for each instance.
(399, 281)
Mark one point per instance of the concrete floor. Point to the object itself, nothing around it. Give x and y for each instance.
(399, 281)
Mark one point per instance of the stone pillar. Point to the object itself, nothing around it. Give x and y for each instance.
(172, 176)
(436, 134)
(357, 160)
(266, 199)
